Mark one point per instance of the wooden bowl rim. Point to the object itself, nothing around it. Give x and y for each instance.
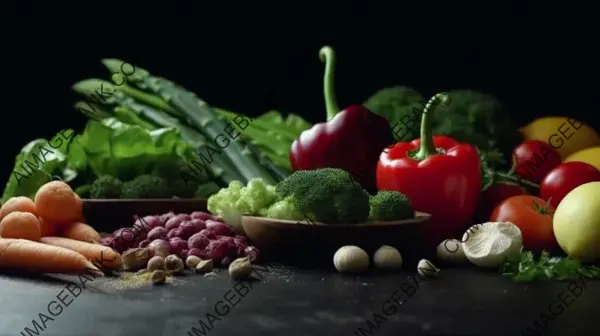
(419, 217)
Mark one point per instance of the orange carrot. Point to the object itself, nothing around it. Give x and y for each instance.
(20, 225)
(97, 253)
(82, 232)
(46, 228)
(26, 255)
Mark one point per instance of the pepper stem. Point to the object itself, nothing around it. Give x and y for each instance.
(327, 55)
(427, 146)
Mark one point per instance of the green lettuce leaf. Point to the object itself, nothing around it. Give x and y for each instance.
(114, 148)
(37, 163)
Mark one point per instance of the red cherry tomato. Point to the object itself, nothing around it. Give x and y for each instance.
(533, 216)
(534, 159)
(566, 177)
(494, 195)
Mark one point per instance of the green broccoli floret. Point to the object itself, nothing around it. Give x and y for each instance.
(327, 195)
(255, 196)
(224, 201)
(106, 187)
(285, 209)
(390, 206)
(146, 186)
(206, 190)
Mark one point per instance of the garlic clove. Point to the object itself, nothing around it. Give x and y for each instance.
(350, 259)
(240, 268)
(490, 244)
(451, 250)
(387, 258)
(426, 269)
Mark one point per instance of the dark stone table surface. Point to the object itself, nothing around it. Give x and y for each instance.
(290, 302)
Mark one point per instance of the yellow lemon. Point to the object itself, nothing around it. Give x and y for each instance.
(588, 155)
(566, 135)
(577, 222)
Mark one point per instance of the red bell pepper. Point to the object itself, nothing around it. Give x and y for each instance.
(351, 139)
(439, 175)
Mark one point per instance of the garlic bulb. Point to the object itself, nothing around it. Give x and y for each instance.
(350, 259)
(451, 250)
(426, 269)
(489, 244)
(387, 258)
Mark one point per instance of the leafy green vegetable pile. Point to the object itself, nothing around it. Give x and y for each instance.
(327, 195)
(257, 150)
(107, 149)
(140, 125)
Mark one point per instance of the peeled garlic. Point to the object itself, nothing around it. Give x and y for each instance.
(388, 258)
(489, 244)
(426, 269)
(451, 250)
(349, 259)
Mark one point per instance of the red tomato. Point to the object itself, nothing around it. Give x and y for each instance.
(535, 159)
(533, 216)
(566, 177)
(494, 195)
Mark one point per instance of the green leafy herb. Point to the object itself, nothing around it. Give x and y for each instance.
(524, 268)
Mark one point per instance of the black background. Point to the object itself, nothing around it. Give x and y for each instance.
(539, 59)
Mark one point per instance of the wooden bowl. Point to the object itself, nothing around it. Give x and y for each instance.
(107, 215)
(285, 240)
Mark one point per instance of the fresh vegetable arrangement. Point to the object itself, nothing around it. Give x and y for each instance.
(498, 196)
